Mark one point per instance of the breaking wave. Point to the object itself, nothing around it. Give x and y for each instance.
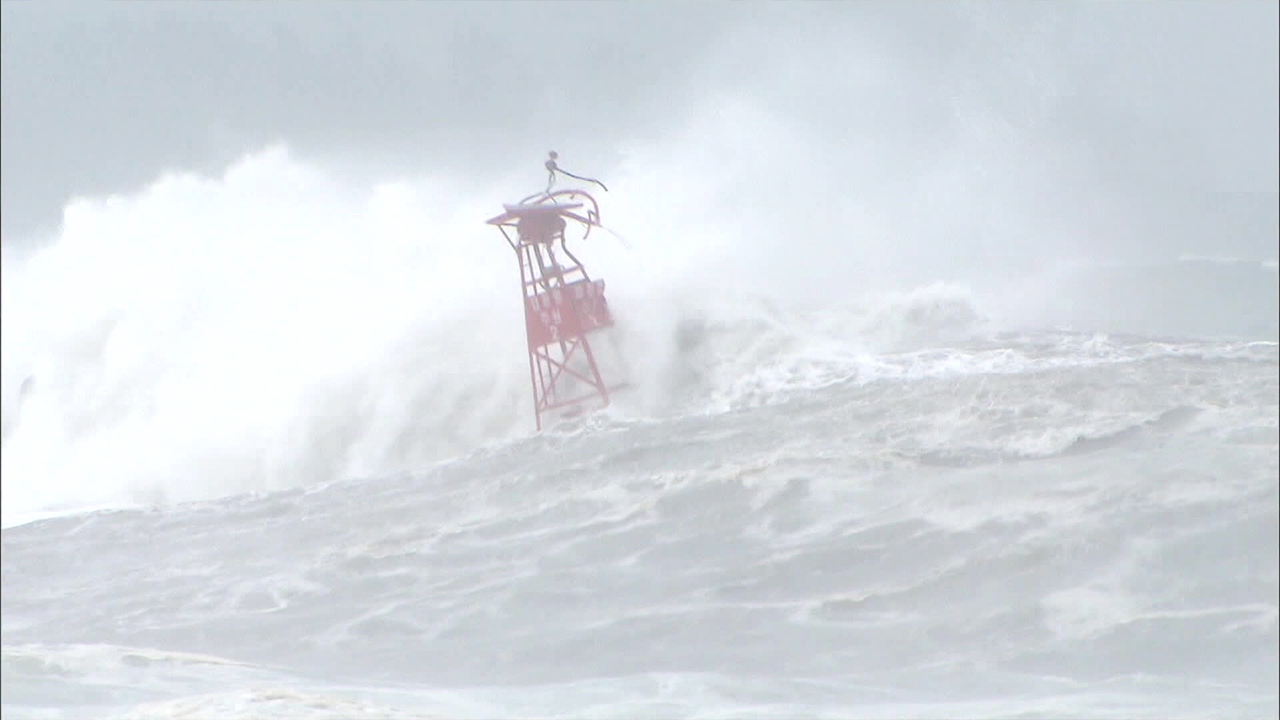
(274, 327)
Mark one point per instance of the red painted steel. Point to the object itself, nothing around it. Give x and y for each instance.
(568, 312)
(563, 305)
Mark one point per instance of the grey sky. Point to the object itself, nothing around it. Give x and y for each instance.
(1145, 105)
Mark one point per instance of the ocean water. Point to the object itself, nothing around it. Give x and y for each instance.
(268, 452)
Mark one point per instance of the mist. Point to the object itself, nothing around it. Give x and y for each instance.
(251, 234)
(1120, 117)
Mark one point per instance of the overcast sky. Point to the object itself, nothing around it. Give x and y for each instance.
(1139, 101)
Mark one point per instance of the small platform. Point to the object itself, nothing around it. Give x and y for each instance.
(515, 212)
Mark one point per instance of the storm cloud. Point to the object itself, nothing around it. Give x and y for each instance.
(1150, 123)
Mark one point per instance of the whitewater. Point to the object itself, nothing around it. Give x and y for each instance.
(269, 452)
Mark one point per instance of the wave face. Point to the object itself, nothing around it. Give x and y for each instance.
(268, 452)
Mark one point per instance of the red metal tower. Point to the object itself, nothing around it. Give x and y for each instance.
(562, 304)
